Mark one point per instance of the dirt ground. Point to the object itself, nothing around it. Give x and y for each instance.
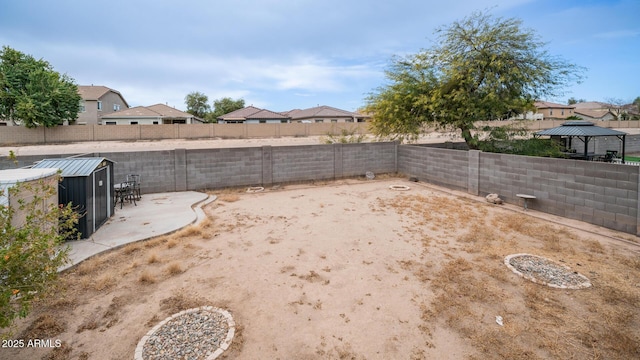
(354, 270)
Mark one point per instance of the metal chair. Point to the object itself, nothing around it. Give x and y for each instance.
(125, 191)
(136, 180)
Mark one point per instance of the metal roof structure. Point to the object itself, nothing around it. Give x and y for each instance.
(584, 131)
(72, 167)
(580, 128)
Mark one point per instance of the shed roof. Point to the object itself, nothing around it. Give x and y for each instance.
(73, 167)
(580, 128)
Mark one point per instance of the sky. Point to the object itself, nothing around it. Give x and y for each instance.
(294, 54)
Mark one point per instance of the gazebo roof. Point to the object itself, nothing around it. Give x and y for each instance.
(580, 128)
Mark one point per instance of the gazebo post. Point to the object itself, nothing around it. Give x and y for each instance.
(586, 146)
(623, 147)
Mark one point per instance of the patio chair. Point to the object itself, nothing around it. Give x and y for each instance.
(125, 192)
(610, 155)
(136, 179)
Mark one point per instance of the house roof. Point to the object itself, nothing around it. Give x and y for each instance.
(580, 128)
(321, 111)
(72, 167)
(592, 105)
(266, 114)
(168, 111)
(251, 112)
(240, 114)
(594, 114)
(155, 111)
(550, 105)
(138, 111)
(91, 92)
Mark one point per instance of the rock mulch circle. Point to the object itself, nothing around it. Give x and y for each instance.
(399, 187)
(546, 272)
(202, 333)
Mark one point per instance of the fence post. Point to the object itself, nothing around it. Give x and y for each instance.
(474, 172)
(267, 165)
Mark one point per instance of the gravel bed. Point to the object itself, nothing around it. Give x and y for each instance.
(192, 334)
(544, 271)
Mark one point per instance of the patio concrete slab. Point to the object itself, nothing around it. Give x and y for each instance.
(154, 215)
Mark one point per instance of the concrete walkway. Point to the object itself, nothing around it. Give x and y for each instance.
(154, 215)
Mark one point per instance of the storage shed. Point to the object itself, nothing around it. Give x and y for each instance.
(87, 183)
(10, 178)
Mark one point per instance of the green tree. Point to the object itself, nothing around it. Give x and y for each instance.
(197, 104)
(31, 234)
(33, 94)
(573, 101)
(481, 68)
(224, 106)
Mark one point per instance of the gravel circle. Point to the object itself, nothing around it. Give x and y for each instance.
(544, 271)
(195, 334)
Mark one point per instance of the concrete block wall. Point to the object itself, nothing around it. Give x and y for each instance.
(300, 163)
(116, 132)
(150, 132)
(598, 193)
(357, 159)
(156, 168)
(21, 135)
(194, 131)
(217, 168)
(448, 168)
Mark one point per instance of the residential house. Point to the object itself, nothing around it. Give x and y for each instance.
(98, 101)
(553, 111)
(325, 114)
(253, 115)
(320, 114)
(595, 115)
(150, 115)
(628, 111)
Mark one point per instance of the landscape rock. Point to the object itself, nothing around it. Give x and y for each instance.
(494, 199)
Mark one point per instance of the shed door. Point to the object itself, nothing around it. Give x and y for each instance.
(101, 202)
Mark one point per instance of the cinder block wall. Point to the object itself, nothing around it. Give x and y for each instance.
(448, 168)
(598, 193)
(357, 159)
(217, 168)
(198, 169)
(157, 168)
(299, 163)
(595, 192)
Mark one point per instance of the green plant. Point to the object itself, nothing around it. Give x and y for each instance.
(32, 232)
(512, 139)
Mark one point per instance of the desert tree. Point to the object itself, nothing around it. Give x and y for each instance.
(197, 104)
(224, 106)
(33, 94)
(480, 68)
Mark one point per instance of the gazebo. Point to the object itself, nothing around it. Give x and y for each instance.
(583, 131)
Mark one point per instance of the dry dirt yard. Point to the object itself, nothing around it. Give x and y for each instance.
(354, 270)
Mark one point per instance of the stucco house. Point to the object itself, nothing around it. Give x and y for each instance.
(253, 115)
(150, 115)
(553, 111)
(595, 115)
(319, 114)
(325, 114)
(98, 101)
